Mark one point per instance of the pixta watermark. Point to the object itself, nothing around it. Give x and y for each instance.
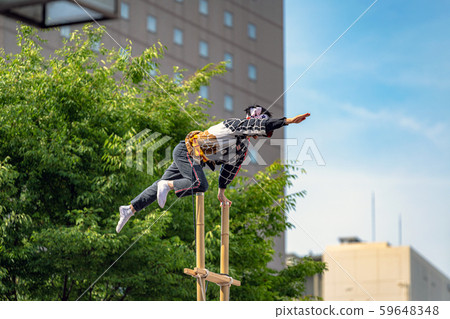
(260, 152)
(149, 142)
(301, 151)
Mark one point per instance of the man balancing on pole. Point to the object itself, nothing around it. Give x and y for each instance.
(223, 144)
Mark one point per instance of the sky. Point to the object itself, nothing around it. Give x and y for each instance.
(380, 111)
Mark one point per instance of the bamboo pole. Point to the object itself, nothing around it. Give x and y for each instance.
(224, 249)
(200, 246)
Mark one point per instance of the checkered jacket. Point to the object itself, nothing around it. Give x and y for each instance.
(226, 143)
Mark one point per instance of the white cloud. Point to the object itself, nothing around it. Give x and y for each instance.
(436, 132)
(359, 118)
(363, 113)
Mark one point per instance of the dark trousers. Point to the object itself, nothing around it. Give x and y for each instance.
(187, 176)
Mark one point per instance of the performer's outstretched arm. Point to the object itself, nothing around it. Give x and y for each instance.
(228, 172)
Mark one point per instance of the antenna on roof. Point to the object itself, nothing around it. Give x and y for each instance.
(373, 216)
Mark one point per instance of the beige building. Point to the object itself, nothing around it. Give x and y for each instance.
(359, 270)
(248, 34)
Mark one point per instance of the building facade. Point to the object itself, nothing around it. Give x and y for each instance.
(362, 271)
(248, 34)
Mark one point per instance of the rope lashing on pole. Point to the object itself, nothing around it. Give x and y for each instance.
(199, 280)
(228, 284)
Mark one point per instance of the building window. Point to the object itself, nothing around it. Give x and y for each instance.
(252, 75)
(228, 57)
(203, 7)
(124, 10)
(151, 24)
(228, 19)
(251, 31)
(178, 36)
(204, 92)
(203, 49)
(65, 31)
(228, 103)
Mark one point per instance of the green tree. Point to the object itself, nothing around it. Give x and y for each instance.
(64, 123)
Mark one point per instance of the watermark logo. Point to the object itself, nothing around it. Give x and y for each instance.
(309, 152)
(289, 149)
(149, 142)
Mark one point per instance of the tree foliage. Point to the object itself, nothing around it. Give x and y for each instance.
(64, 123)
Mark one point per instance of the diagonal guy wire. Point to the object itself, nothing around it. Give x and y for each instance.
(301, 75)
(126, 250)
(129, 55)
(317, 243)
(323, 53)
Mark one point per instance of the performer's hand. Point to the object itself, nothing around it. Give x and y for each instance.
(297, 119)
(222, 198)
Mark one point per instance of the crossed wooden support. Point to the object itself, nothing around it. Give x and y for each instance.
(220, 279)
(200, 272)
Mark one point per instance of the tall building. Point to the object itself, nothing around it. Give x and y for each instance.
(248, 34)
(361, 271)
